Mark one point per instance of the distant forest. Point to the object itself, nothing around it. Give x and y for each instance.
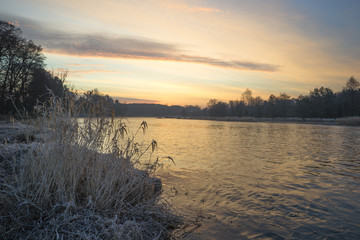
(319, 103)
(25, 83)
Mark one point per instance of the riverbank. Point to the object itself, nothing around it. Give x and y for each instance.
(61, 179)
(348, 121)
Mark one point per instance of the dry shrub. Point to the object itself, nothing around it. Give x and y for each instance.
(78, 180)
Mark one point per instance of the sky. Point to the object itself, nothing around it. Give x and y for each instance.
(182, 52)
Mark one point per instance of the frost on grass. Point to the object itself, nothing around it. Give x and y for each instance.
(72, 178)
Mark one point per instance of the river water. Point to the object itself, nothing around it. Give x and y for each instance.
(261, 180)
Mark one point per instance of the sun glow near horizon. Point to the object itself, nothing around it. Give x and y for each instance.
(185, 53)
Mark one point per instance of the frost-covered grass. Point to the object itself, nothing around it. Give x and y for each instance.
(80, 179)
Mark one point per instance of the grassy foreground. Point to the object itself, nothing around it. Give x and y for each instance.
(66, 178)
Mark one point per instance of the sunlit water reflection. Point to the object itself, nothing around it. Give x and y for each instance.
(262, 180)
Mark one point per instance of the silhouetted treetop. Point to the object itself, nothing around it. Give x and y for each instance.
(23, 79)
(352, 84)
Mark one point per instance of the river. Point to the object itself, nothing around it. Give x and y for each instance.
(261, 180)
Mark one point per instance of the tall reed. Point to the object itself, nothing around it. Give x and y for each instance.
(78, 179)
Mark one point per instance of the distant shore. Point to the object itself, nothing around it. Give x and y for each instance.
(348, 121)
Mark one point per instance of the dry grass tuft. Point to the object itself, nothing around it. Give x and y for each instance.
(76, 179)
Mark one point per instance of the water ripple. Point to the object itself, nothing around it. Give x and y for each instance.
(264, 180)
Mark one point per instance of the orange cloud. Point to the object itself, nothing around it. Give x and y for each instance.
(79, 73)
(100, 45)
(237, 65)
(84, 65)
(190, 8)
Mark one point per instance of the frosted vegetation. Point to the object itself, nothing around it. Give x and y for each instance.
(66, 178)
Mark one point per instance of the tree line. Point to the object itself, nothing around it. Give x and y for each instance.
(319, 103)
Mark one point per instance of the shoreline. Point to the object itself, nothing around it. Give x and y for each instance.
(72, 179)
(347, 121)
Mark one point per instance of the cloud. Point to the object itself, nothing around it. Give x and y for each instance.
(182, 6)
(104, 46)
(239, 65)
(134, 100)
(85, 71)
(93, 71)
(84, 65)
(62, 42)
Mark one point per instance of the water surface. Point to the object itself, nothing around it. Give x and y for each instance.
(262, 180)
